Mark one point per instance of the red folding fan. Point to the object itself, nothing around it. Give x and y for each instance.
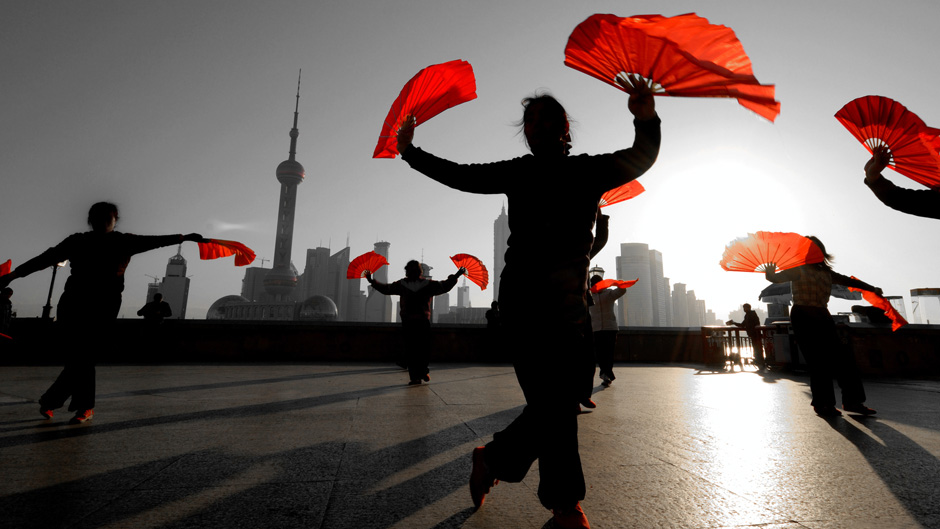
(786, 250)
(216, 248)
(619, 194)
(367, 262)
(897, 321)
(430, 92)
(5, 267)
(476, 270)
(880, 122)
(680, 56)
(607, 283)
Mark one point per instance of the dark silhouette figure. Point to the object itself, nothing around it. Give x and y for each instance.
(90, 301)
(553, 201)
(492, 316)
(157, 310)
(6, 310)
(815, 333)
(604, 323)
(920, 202)
(750, 324)
(416, 293)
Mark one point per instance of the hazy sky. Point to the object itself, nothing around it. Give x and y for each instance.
(179, 112)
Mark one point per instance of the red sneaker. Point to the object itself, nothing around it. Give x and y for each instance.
(45, 413)
(480, 479)
(82, 416)
(589, 404)
(573, 518)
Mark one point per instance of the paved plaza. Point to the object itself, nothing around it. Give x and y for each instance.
(351, 446)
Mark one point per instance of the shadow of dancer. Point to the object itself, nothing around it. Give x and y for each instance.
(553, 200)
(90, 301)
(416, 293)
(815, 333)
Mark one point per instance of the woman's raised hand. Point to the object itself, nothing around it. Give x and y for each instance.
(406, 133)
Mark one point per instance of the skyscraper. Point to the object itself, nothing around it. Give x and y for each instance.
(500, 244)
(680, 306)
(280, 281)
(175, 285)
(636, 306)
(379, 306)
(658, 290)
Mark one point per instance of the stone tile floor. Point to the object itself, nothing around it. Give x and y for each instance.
(351, 446)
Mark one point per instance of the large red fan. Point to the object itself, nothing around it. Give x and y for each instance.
(430, 92)
(5, 267)
(367, 262)
(476, 270)
(678, 56)
(216, 248)
(880, 122)
(897, 321)
(786, 250)
(619, 194)
(607, 283)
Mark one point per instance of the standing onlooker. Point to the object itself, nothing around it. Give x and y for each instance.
(157, 310)
(750, 324)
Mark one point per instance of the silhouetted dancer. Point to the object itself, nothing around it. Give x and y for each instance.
(553, 201)
(815, 333)
(604, 323)
(90, 301)
(156, 311)
(920, 202)
(750, 324)
(415, 293)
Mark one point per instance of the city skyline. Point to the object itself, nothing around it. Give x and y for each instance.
(170, 111)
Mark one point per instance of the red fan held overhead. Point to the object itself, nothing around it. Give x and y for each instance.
(430, 92)
(619, 194)
(897, 321)
(367, 262)
(754, 252)
(681, 56)
(879, 122)
(5, 267)
(607, 283)
(216, 248)
(476, 270)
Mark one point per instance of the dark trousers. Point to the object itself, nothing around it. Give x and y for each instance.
(416, 335)
(77, 380)
(605, 343)
(547, 362)
(826, 357)
(757, 344)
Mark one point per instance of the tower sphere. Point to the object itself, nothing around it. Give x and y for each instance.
(290, 172)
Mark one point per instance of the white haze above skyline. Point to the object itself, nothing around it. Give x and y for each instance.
(179, 112)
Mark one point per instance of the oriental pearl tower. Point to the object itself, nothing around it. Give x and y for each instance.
(279, 283)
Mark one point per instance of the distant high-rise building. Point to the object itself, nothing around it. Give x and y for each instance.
(441, 306)
(281, 280)
(668, 296)
(500, 245)
(175, 285)
(636, 306)
(658, 291)
(379, 306)
(680, 306)
(463, 295)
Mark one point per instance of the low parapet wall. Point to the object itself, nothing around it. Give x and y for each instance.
(914, 351)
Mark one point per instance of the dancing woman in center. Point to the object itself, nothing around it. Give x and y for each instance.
(553, 201)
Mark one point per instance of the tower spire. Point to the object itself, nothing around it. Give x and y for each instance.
(294, 132)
